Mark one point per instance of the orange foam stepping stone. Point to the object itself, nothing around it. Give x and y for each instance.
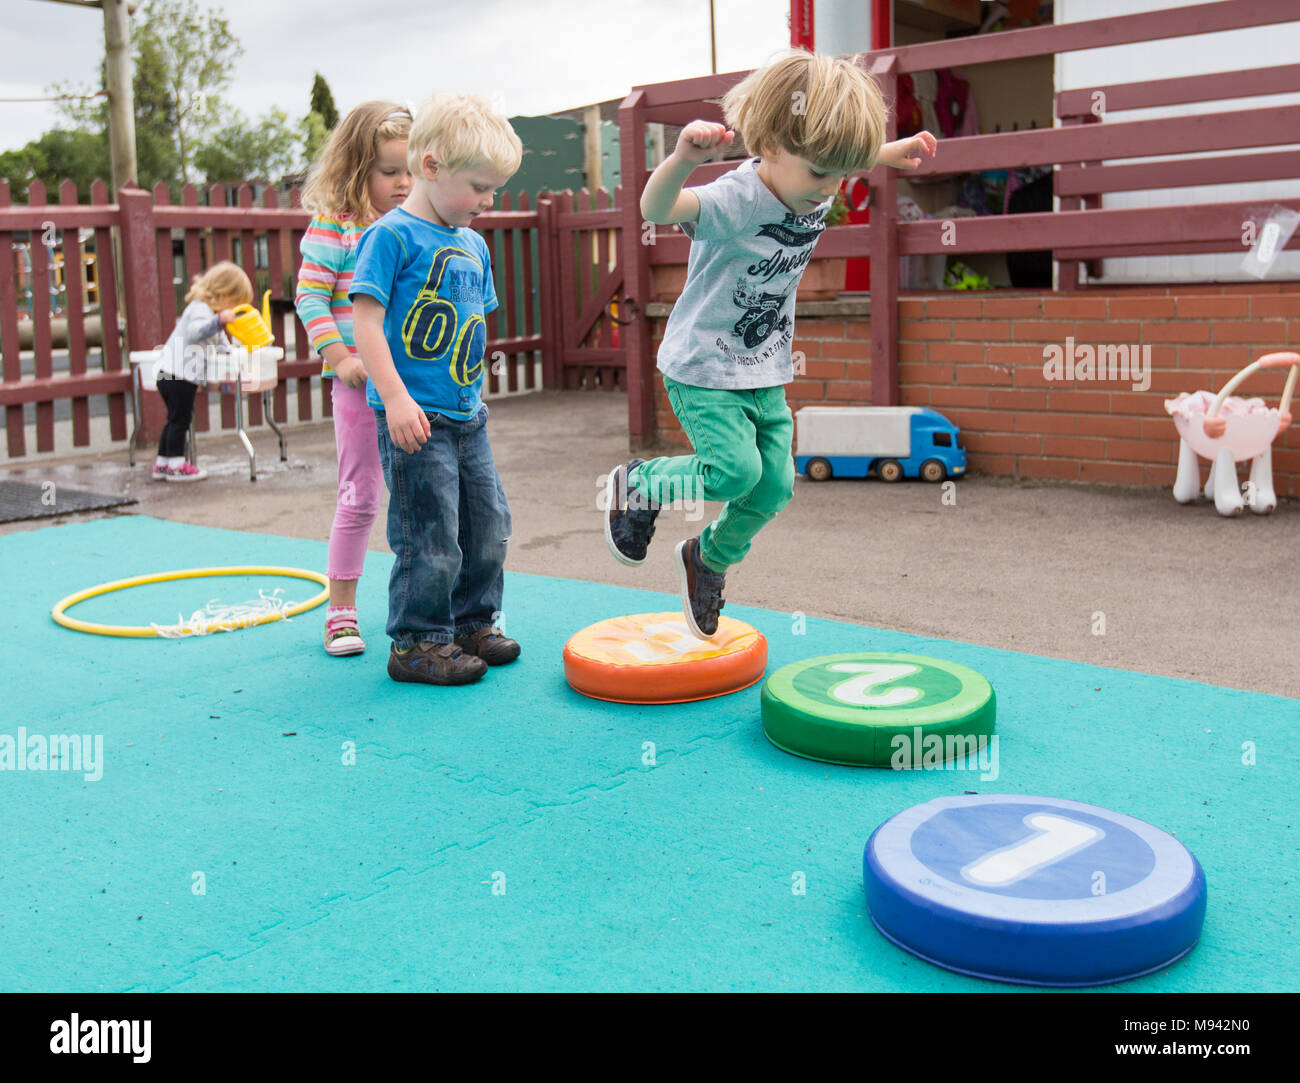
(655, 658)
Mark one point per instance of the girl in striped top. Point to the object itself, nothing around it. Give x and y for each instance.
(360, 176)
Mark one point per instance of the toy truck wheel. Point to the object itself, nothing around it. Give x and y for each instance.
(818, 470)
(890, 470)
(933, 470)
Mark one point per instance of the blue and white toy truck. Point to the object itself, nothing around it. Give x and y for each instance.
(891, 442)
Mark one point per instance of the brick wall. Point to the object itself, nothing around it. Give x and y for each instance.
(978, 358)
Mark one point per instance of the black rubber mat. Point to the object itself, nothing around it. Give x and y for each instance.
(29, 500)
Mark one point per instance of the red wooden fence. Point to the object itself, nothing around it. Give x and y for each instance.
(41, 386)
(156, 236)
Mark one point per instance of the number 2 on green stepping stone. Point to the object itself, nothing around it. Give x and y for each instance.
(855, 691)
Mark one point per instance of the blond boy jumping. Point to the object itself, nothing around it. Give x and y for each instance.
(810, 120)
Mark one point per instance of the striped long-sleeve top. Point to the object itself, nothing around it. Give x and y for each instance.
(329, 254)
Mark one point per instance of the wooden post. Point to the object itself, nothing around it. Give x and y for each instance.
(143, 301)
(275, 268)
(121, 103)
(108, 272)
(547, 287)
(121, 122)
(1067, 278)
(529, 314)
(884, 253)
(73, 270)
(636, 272)
(41, 338)
(713, 40)
(591, 157)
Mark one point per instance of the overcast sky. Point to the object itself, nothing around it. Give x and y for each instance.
(534, 56)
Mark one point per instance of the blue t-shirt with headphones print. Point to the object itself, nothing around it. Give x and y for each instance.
(435, 284)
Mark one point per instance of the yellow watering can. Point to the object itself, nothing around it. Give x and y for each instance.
(251, 327)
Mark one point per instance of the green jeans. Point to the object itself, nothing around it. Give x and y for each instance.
(742, 442)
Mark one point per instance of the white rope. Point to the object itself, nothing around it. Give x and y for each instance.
(217, 616)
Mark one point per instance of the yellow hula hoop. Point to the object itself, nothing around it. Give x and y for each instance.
(59, 612)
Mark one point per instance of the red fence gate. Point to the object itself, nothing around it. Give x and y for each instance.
(590, 306)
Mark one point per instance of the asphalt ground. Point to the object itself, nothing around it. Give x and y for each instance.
(1112, 576)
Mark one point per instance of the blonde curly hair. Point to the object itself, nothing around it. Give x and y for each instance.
(222, 282)
(338, 182)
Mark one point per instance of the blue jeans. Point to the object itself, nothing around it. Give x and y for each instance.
(448, 525)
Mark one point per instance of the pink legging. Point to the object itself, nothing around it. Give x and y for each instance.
(361, 480)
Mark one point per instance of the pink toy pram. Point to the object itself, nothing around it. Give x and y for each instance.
(1228, 431)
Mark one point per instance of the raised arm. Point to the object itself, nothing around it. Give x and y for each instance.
(663, 201)
(906, 153)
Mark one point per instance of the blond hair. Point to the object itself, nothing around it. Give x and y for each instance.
(223, 281)
(339, 181)
(460, 131)
(824, 109)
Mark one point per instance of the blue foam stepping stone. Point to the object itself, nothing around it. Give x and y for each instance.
(1033, 890)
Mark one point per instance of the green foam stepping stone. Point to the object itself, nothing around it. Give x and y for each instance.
(877, 709)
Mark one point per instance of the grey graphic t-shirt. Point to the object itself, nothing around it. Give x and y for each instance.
(733, 325)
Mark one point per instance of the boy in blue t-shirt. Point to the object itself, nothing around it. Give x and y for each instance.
(420, 291)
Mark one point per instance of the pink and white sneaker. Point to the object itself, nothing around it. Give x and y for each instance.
(159, 472)
(343, 638)
(186, 472)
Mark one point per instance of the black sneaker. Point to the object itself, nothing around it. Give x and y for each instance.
(630, 519)
(701, 590)
(435, 663)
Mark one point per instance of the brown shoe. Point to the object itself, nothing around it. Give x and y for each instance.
(434, 663)
(490, 645)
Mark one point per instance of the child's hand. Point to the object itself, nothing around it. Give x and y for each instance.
(906, 153)
(701, 140)
(226, 315)
(351, 371)
(408, 425)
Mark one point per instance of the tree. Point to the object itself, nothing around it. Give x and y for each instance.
(314, 135)
(18, 168)
(56, 156)
(182, 60)
(322, 102)
(175, 97)
(197, 52)
(242, 148)
(156, 155)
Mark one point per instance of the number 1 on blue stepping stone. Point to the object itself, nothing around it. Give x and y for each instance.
(1033, 890)
(1057, 837)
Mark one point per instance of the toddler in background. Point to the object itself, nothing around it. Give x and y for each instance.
(180, 371)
